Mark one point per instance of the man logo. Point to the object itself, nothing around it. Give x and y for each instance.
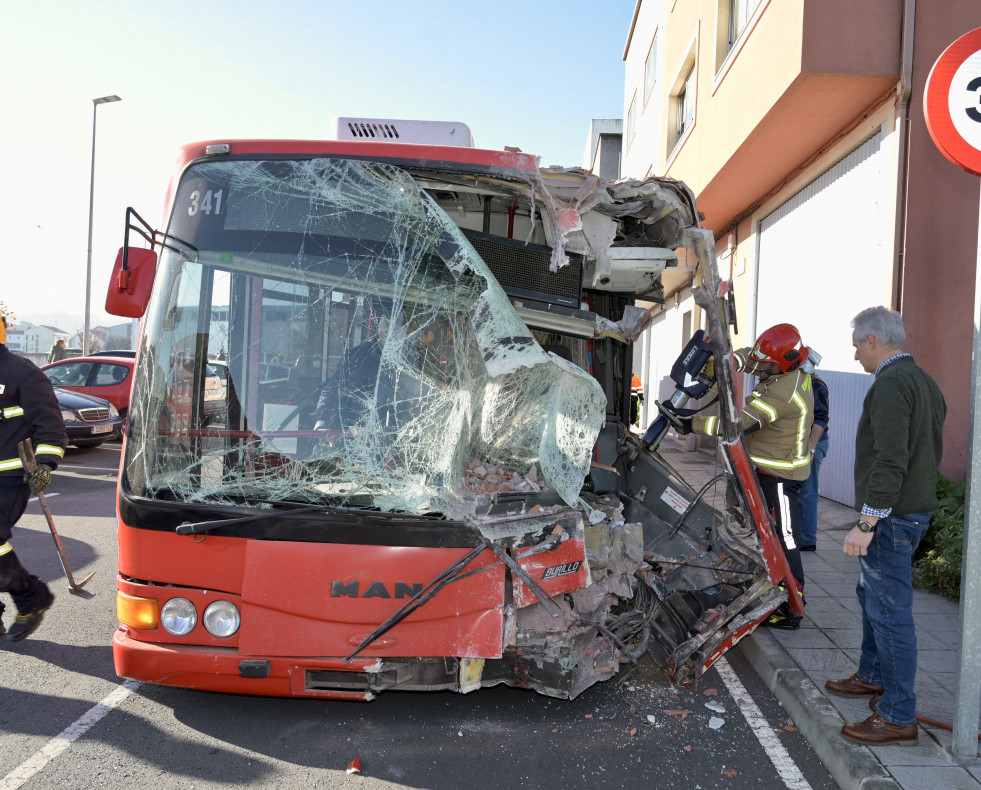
(339, 589)
(561, 570)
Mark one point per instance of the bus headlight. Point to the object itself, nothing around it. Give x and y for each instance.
(178, 616)
(221, 618)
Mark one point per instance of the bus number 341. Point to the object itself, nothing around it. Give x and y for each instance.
(211, 202)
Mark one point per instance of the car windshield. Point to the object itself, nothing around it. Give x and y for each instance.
(69, 374)
(369, 356)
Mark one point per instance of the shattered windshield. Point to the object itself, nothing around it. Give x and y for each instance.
(335, 338)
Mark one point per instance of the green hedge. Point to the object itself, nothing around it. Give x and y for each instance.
(937, 562)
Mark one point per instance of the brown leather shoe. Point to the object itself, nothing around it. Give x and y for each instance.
(853, 687)
(877, 731)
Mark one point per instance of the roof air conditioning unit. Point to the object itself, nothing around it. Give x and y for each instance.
(388, 130)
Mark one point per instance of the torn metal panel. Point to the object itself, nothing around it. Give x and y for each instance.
(650, 213)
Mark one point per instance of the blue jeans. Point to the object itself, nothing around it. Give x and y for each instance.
(807, 499)
(885, 590)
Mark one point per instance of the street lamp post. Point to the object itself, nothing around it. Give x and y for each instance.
(88, 262)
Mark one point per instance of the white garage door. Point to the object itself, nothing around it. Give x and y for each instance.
(824, 255)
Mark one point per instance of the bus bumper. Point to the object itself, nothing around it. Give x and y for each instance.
(227, 670)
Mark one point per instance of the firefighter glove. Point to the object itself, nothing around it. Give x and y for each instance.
(684, 427)
(39, 479)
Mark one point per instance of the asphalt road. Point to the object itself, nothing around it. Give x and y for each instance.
(67, 721)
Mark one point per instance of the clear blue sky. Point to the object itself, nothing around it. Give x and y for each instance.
(530, 74)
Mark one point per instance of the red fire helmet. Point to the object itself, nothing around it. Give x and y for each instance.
(781, 344)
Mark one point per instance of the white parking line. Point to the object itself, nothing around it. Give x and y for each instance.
(779, 756)
(46, 496)
(32, 765)
(110, 475)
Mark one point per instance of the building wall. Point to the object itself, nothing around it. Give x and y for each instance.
(732, 98)
(15, 340)
(642, 143)
(938, 273)
(777, 97)
(603, 147)
(806, 84)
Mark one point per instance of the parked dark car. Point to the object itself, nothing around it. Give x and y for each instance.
(89, 421)
(114, 353)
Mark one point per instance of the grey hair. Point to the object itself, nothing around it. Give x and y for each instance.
(882, 323)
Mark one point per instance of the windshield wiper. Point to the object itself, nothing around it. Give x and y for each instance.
(299, 508)
(421, 598)
(196, 528)
(453, 573)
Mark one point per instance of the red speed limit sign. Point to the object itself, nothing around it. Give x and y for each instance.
(952, 102)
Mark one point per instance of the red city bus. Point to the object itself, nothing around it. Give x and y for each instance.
(418, 473)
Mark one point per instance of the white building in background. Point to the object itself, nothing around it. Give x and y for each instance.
(603, 146)
(117, 337)
(27, 338)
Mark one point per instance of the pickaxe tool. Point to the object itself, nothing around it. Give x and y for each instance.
(26, 450)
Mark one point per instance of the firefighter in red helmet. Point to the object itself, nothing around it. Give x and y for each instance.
(776, 423)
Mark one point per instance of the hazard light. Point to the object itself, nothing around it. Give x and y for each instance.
(135, 612)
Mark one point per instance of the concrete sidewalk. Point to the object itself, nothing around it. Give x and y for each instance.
(795, 665)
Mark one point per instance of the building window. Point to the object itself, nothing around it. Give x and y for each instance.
(740, 12)
(732, 20)
(631, 120)
(685, 105)
(682, 95)
(650, 70)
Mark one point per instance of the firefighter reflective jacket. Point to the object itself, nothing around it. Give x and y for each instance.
(777, 421)
(28, 410)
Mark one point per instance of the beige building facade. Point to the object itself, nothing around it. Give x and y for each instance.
(799, 126)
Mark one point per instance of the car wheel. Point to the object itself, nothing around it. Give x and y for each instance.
(88, 443)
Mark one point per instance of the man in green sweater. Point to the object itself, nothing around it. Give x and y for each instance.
(897, 451)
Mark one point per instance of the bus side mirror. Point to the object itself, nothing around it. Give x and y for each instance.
(130, 286)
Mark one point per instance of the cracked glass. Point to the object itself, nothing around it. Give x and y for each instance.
(321, 331)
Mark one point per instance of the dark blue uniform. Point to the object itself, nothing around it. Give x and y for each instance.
(28, 410)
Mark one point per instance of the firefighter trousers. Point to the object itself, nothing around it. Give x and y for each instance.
(29, 593)
(781, 500)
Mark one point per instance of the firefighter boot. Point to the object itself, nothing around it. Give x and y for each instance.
(26, 623)
(783, 618)
(31, 603)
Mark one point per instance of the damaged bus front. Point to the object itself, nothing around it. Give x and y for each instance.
(417, 472)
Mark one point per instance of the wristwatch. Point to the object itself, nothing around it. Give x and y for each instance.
(865, 526)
